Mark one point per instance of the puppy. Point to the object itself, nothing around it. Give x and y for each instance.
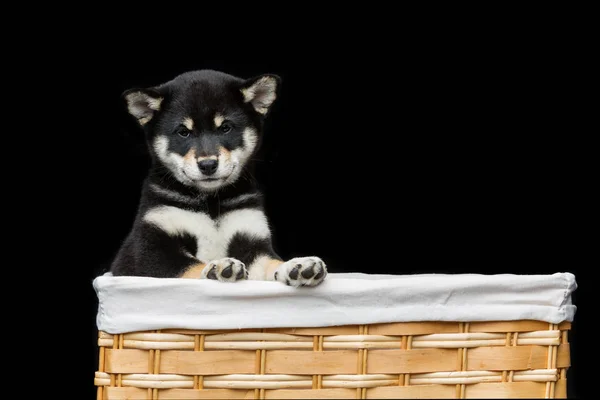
(201, 214)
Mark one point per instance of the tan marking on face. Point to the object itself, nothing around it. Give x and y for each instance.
(194, 271)
(224, 154)
(190, 156)
(188, 123)
(144, 121)
(218, 120)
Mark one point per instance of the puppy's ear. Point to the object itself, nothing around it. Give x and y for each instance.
(261, 91)
(142, 103)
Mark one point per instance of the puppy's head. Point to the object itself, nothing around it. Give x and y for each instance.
(204, 126)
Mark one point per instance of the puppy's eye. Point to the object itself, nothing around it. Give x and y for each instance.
(183, 132)
(225, 127)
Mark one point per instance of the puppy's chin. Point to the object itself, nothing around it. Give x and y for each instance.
(203, 185)
(210, 185)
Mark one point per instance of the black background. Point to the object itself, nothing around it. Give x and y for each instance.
(448, 159)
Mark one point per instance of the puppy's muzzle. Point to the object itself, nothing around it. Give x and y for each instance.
(208, 167)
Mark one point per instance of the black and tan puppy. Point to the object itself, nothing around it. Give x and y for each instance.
(200, 216)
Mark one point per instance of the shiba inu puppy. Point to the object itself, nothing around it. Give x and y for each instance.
(200, 215)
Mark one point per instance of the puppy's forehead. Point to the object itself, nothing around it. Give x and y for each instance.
(205, 99)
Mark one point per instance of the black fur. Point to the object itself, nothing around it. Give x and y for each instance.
(150, 251)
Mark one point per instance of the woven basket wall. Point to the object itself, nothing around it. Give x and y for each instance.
(514, 359)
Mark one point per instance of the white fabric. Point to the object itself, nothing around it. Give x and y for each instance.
(129, 304)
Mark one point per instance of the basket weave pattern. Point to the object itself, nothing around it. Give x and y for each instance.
(511, 359)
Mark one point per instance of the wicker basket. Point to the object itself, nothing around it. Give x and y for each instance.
(509, 359)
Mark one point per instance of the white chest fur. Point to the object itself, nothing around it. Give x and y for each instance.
(212, 235)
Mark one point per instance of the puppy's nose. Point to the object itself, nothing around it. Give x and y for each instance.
(208, 167)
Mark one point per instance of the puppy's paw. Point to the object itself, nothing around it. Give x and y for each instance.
(301, 271)
(225, 270)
